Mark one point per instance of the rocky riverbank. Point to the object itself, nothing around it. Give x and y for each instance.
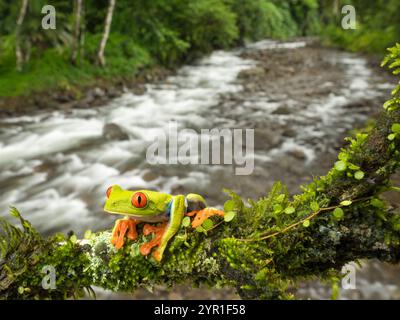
(69, 97)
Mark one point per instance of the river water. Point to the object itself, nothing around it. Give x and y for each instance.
(56, 166)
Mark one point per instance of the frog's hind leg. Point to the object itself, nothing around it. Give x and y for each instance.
(197, 207)
(204, 214)
(166, 231)
(124, 227)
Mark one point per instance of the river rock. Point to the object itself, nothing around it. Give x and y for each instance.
(113, 92)
(298, 154)
(98, 92)
(114, 132)
(282, 110)
(252, 73)
(63, 98)
(149, 176)
(289, 132)
(266, 138)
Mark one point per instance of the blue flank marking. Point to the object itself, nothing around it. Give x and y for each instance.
(169, 207)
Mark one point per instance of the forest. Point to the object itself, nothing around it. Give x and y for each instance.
(124, 36)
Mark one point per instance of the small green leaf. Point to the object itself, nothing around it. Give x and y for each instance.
(14, 212)
(73, 238)
(306, 223)
(396, 128)
(359, 175)
(290, 210)
(21, 290)
(314, 206)
(340, 165)
(88, 234)
(280, 198)
(186, 222)
(353, 167)
(377, 203)
(229, 206)
(392, 136)
(338, 213)
(207, 224)
(200, 229)
(346, 203)
(277, 208)
(228, 216)
(343, 156)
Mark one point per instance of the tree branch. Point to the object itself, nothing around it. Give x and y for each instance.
(267, 248)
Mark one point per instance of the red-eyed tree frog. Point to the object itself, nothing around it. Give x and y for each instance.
(155, 207)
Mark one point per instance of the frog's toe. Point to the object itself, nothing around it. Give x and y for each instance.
(132, 233)
(123, 227)
(204, 214)
(118, 234)
(146, 248)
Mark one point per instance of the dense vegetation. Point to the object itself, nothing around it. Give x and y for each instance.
(378, 25)
(162, 32)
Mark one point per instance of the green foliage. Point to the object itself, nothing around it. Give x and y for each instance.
(208, 24)
(24, 254)
(55, 69)
(259, 19)
(378, 26)
(143, 33)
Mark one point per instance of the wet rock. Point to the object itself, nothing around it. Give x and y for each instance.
(98, 92)
(282, 110)
(149, 176)
(289, 132)
(112, 92)
(139, 90)
(83, 104)
(298, 154)
(265, 138)
(63, 98)
(112, 131)
(252, 73)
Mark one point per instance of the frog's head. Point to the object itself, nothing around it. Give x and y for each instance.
(139, 203)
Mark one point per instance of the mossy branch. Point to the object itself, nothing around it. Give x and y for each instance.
(267, 248)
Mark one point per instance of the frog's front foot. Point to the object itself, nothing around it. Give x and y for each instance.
(159, 231)
(124, 227)
(204, 214)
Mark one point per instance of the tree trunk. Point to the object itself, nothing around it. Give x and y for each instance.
(77, 31)
(18, 50)
(335, 8)
(107, 26)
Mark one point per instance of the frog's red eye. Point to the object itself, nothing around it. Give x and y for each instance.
(109, 192)
(139, 200)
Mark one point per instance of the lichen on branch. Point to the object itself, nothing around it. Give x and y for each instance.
(265, 247)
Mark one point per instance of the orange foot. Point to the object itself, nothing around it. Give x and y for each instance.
(159, 230)
(122, 227)
(203, 215)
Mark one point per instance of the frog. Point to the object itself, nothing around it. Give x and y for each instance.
(161, 213)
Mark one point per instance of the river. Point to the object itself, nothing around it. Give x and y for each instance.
(300, 100)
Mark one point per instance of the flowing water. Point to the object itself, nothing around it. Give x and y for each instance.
(56, 166)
